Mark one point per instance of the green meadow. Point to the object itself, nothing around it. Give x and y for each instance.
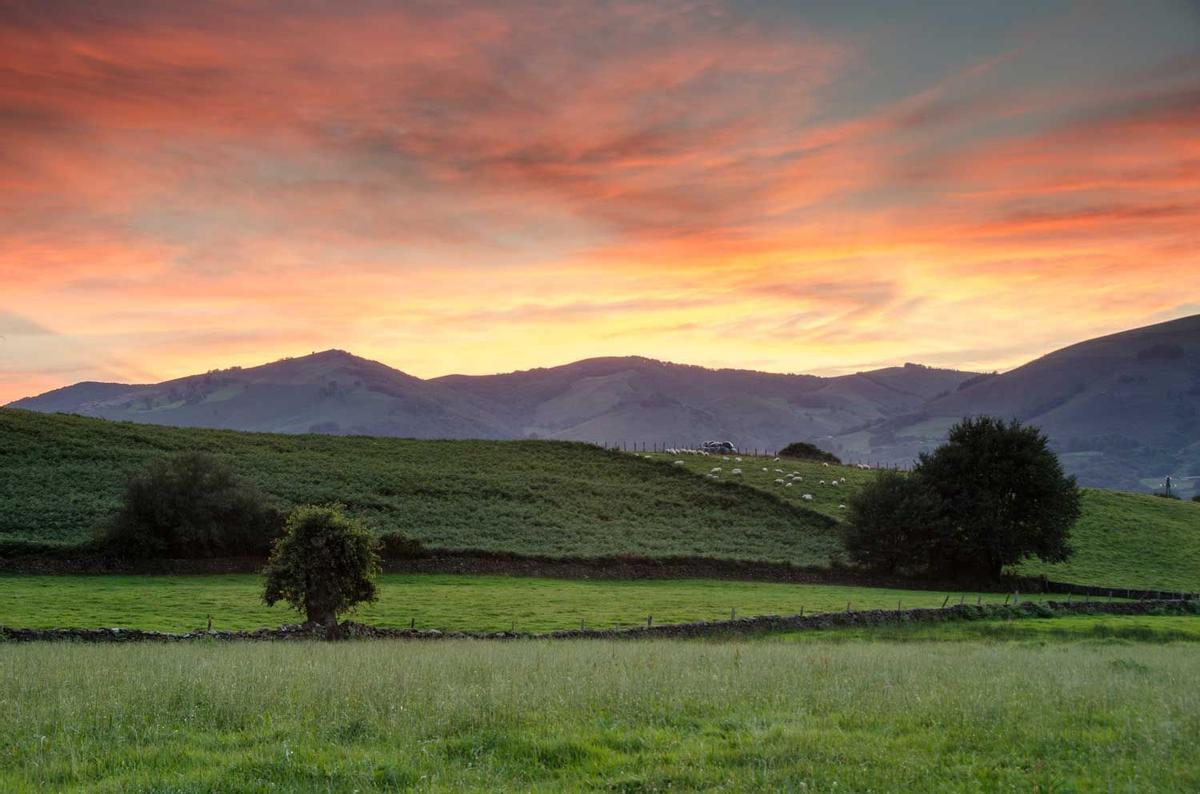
(643, 716)
(448, 602)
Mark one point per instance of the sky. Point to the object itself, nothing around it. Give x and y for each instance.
(472, 188)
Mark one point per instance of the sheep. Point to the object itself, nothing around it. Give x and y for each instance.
(807, 497)
(826, 465)
(714, 470)
(841, 507)
(787, 485)
(724, 457)
(821, 482)
(764, 468)
(779, 481)
(739, 460)
(735, 471)
(679, 463)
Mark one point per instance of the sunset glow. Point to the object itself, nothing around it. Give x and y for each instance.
(479, 188)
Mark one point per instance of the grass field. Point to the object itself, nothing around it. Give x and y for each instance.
(446, 602)
(1132, 540)
(1106, 629)
(965, 716)
(1121, 540)
(60, 475)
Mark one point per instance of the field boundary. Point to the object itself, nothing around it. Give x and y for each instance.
(761, 624)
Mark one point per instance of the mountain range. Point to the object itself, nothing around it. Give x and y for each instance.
(1121, 410)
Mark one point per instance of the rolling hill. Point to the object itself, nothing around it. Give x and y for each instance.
(61, 475)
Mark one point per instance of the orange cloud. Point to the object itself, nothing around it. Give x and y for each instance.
(496, 187)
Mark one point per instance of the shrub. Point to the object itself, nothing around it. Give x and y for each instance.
(323, 565)
(892, 524)
(806, 451)
(401, 546)
(1196, 498)
(190, 505)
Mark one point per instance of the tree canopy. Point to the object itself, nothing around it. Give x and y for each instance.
(992, 495)
(324, 564)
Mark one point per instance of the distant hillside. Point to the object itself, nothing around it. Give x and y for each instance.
(601, 400)
(1122, 410)
(60, 475)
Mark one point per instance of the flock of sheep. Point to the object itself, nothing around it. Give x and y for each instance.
(785, 479)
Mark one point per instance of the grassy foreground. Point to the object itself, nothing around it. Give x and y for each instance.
(439, 601)
(625, 716)
(60, 475)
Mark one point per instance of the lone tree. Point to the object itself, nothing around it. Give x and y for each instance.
(190, 505)
(992, 495)
(323, 565)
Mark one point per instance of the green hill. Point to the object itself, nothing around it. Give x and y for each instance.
(1121, 540)
(60, 475)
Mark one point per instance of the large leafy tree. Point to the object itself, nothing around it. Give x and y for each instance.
(1003, 497)
(994, 494)
(324, 564)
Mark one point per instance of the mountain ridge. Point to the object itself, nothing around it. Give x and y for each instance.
(1120, 409)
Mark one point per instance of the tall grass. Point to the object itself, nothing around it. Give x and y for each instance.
(626, 716)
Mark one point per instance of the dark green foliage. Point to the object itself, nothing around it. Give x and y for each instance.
(892, 524)
(401, 546)
(61, 475)
(324, 564)
(1003, 498)
(805, 451)
(190, 505)
(993, 495)
(1196, 498)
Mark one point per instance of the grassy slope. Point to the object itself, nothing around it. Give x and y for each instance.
(447, 602)
(1132, 540)
(969, 716)
(1105, 629)
(59, 475)
(1122, 539)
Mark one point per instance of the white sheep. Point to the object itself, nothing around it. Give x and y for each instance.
(735, 471)
(841, 507)
(807, 497)
(739, 460)
(788, 485)
(779, 481)
(826, 465)
(679, 463)
(714, 470)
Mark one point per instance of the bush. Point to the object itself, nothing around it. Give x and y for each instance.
(323, 565)
(401, 546)
(805, 451)
(191, 505)
(892, 524)
(1196, 498)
